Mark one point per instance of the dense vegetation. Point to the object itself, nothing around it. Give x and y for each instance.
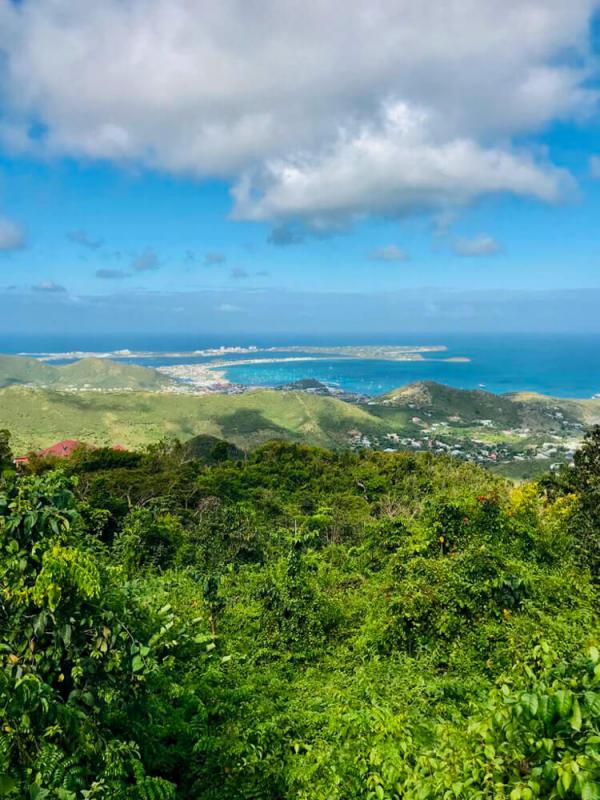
(189, 622)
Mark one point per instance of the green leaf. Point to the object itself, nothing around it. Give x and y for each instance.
(592, 703)
(562, 702)
(7, 784)
(137, 664)
(590, 791)
(65, 794)
(531, 703)
(576, 716)
(37, 793)
(566, 779)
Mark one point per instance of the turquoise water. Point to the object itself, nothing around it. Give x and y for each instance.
(556, 364)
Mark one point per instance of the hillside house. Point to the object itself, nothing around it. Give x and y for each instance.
(63, 449)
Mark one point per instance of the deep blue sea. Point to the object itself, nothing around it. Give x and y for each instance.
(556, 364)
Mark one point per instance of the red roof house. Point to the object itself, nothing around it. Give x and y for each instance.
(63, 449)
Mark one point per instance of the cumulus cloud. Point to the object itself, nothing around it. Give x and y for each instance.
(146, 261)
(49, 286)
(390, 252)
(12, 235)
(478, 246)
(229, 308)
(397, 168)
(215, 257)
(315, 115)
(82, 238)
(110, 274)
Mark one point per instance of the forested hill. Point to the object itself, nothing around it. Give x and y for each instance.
(188, 621)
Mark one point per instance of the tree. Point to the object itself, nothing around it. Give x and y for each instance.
(586, 482)
(90, 664)
(6, 455)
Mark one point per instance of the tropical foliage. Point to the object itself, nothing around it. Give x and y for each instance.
(194, 622)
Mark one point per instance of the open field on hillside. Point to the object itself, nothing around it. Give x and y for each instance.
(87, 373)
(37, 418)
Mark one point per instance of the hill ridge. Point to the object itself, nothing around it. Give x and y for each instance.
(88, 372)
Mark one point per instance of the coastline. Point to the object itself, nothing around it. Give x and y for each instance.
(552, 366)
(213, 376)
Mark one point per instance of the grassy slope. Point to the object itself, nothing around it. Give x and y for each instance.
(99, 373)
(38, 418)
(16, 370)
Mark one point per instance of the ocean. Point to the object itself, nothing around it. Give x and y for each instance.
(563, 365)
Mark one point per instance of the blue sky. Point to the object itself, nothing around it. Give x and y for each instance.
(216, 181)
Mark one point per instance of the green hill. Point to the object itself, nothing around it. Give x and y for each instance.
(38, 417)
(470, 406)
(17, 370)
(102, 373)
(521, 435)
(93, 373)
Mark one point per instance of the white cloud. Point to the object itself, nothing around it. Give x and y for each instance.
(12, 235)
(390, 252)
(478, 246)
(319, 114)
(229, 308)
(395, 168)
